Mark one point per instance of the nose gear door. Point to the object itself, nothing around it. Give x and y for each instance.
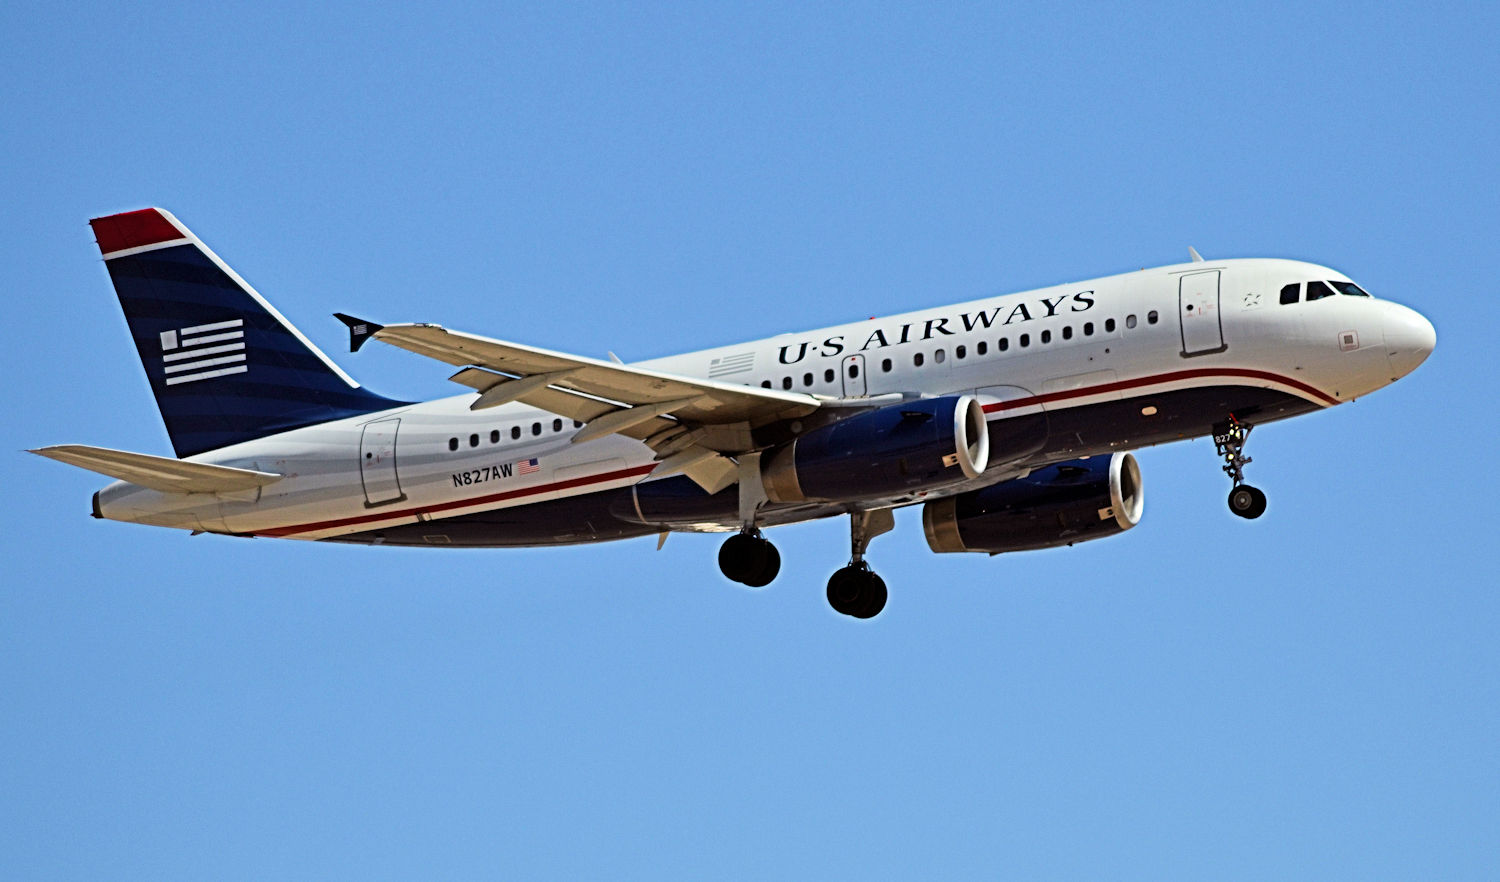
(377, 463)
(1198, 311)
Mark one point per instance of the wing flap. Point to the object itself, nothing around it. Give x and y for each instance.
(158, 472)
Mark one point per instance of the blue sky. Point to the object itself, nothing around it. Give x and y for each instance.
(1313, 694)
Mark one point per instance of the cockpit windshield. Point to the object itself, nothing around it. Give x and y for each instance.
(1318, 290)
(1294, 293)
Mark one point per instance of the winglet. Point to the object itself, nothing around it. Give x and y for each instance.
(1193, 252)
(359, 330)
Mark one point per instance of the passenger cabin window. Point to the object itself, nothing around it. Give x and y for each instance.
(828, 376)
(807, 379)
(473, 440)
(494, 436)
(959, 352)
(452, 443)
(515, 432)
(1047, 336)
(1349, 288)
(853, 371)
(1129, 321)
(786, 382)
(1025, 340)
(981, 348)
(917, 359)
(1318, 290)
(557, 425)
(1004, 343)
(536, 428)
(765, 384)
(1151, 317)
(939, 356)
(885, 365)
(1088, 329)
(1291, 293)
(1109, 326)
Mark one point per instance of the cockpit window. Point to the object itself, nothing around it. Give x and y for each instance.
(1349, 288)
(1291, 293)
(1318, 290)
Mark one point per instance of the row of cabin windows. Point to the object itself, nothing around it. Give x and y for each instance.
(1318, 290)
(961, 352)
(515, 433)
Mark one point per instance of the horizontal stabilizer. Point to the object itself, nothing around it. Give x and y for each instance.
(158, 472)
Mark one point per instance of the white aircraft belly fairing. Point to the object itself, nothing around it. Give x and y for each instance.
(1007, 418)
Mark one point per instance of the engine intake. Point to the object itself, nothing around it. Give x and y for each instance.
(1058, 505)
(916, 445)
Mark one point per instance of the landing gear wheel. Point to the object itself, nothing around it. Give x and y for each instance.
(1229, 440)
(749, 559)
(1247, 501)
(770, 565)
(855, 591)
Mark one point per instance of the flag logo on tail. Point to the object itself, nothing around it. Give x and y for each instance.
(203, 352)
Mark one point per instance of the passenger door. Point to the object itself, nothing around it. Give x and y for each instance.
(1198, 311)
(377, 463)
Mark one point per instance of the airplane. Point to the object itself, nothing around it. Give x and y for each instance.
(1008, 419)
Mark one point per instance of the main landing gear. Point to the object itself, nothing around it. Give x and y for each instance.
(1229, 440)
(855, 590)
(750, 559)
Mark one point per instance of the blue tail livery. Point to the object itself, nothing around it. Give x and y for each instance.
(224, 365)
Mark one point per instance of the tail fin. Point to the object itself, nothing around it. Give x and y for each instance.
(223, 363)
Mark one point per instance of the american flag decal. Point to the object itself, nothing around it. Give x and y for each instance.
(731, 364)
(528, 466)
(203, 352)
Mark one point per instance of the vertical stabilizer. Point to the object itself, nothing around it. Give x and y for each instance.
(224, 365)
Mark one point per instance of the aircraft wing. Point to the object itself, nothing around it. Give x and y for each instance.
(683, 417)
(158, 472)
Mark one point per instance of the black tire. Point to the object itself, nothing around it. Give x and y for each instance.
(739, 558)
(768, 565)
(872, 596)
(1247, 502)
(843, 590)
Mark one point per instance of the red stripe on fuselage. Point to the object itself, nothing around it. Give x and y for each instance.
(617, 475)
(1157, 379)
(133, 229)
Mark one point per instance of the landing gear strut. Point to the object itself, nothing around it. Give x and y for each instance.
(750, 559)
(855, 590)
(1229, 440)
(747, 557)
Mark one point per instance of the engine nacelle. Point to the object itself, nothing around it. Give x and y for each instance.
(1057, 505)
(916, 445)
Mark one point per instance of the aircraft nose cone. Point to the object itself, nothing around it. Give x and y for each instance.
(1409, 339)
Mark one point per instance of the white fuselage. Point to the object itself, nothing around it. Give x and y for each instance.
(1059, 351)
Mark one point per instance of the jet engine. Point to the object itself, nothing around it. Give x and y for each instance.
(915, 445)
(1057, 505)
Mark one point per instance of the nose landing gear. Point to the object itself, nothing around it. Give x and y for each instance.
(1229, 440)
